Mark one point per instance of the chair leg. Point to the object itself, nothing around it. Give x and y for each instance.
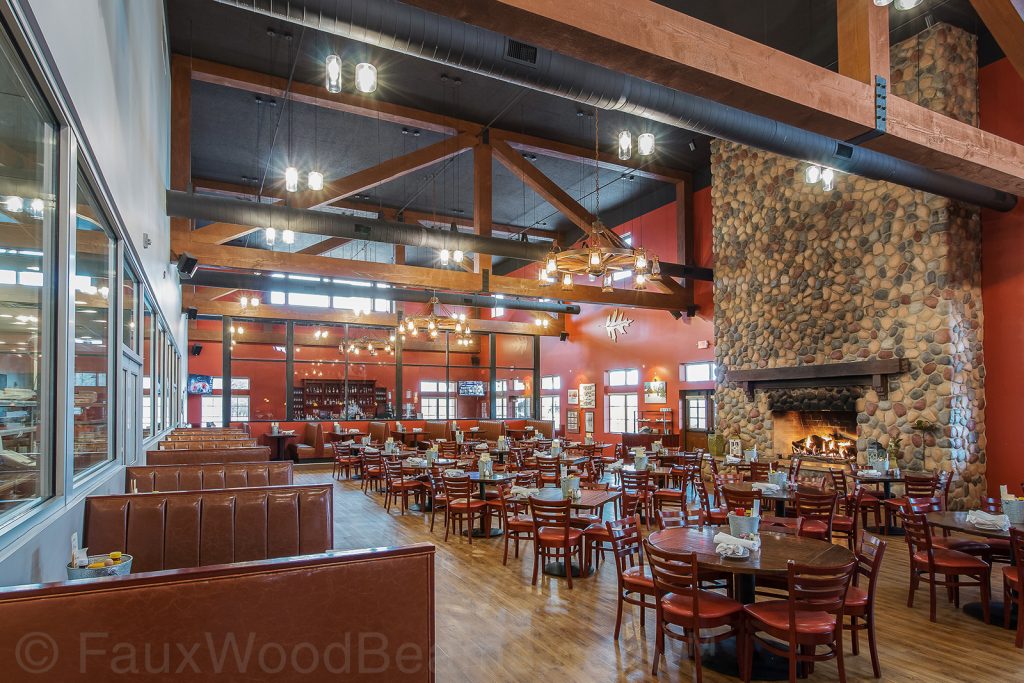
(618, 614)
(568, 553)
(536, 559)
(1006, 604)
(659, 644)
(854, 639)
(839, 654)
(986, 587)
(913, 588)
(931, 597)
(872, 647)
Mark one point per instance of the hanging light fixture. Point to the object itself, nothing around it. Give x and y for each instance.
(607, 282)
(332, 72)
(445, 256)
(14, 204)
(625, 139)
(567, 281)
(291, 179)
(254, 302)
(645, 144)
(812, 173)
(827, 179)
(366, 77)
(315, 181)
(457, 256)
(288, 236)
(270, 234)
(244, 302)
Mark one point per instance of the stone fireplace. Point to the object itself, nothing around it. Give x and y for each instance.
(828, 435)
(867, 272)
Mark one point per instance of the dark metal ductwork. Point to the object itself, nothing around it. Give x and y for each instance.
(391, 25)
(266, 283)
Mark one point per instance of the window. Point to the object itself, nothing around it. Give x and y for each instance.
(518, 385)
(550, 410)
(551, 383)
(522, 407)
(428, 387)
(697, 372)
(129, 301)
(697, 413)
(237, 384)
(622, 409)
(95, 275)
(239, 408)
(27, 356)
(301, 299)
(147, 368)
(623, 378)
(434, 408)
(501, 386)
(211, 411)
(498, 311)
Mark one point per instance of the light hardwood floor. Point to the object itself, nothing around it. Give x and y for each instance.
(492, 625)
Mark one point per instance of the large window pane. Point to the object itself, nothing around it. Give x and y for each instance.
(26, 289)
(148, 322)
(129, 306)
(95, 263)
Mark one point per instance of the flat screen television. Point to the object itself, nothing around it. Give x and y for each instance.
(471, 388)
(200, 384)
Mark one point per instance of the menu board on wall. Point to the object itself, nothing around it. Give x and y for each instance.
(588, 396)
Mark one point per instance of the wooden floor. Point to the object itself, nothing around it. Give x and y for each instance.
(492, 625)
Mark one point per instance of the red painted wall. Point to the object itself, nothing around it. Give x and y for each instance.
(1002, 112)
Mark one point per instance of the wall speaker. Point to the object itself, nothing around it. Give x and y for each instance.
(474, 361)
(563, 336)
(196, 349)
(187, 265)
(192, 313)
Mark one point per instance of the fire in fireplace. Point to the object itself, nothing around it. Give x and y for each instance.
(828, 435)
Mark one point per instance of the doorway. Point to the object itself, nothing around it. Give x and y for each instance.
(698, 414)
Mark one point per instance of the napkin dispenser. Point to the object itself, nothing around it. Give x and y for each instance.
(431, 455)
(656, 446)
(1013, 508)
(485, 465)
(588, 440)
(398, 427)
(556, 450)
(780, 479)
(275, 428)
(640, 462)
(337, 428)
(459, 437)
(365, 441)
(570, 486)
(750, 455)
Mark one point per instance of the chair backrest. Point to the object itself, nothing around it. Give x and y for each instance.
(702, 497)
(635, 481)
(795, 464)
(457, 488)
(551, 514)
(670, 518)
(215, 455)
(870, 550)
(548, 467)
(920, 485)
(917, 533)
(839, 482)
(817, 589)
(923, 505)
(992, 506)
(946, 482)
(448, 448)
(675, 573)
(526, 479)
(1017, 553)
(198, 528)
(378, 431)
(626, 539)
(736, 499)
(393, 470)
(150, 478)
(810, 481)
(759, 471)
(818, 506)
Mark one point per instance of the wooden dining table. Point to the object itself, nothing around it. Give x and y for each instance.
(772, 560)
(781, 497)
(591, 500)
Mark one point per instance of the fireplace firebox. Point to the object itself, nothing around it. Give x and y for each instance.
(826, 435)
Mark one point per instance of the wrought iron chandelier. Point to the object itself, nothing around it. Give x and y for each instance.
(602, 253)
(372, 345)
(437, 321)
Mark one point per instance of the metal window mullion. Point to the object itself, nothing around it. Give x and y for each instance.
(64, 320)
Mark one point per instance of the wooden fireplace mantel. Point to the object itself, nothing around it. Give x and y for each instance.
(874, 373)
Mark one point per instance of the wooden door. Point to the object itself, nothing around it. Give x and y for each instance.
(698, 416)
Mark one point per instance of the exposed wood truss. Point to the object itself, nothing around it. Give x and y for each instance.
(302, 338)
(863, 33)
(1005, 19)
(669, 47)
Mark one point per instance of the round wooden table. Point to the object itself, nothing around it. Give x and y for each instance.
(771, 560)
(277, 443)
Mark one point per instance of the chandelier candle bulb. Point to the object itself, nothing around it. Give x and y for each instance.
(457, 256)
(812, 174)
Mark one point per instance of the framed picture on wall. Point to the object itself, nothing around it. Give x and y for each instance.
(573, 398)
(588, 396)
(588, 422)
(572, 422)
(655, 392)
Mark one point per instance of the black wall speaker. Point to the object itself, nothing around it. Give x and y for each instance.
(196, 349)
(192, 313)
(474, 361)
(187, 265)
(563, 336)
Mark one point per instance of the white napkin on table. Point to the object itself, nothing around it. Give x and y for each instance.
(985, 519)
(416, 462)
(870, 473)
(481, 447)
(724, 539)
(353, 431)
(617, 465)
(417, 430)
(474, 429)
(733, 460)
(455, 473)
(765, 487)
(524, 491)
(350, 442)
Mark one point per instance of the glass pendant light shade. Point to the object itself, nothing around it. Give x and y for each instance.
(366, 77)
(288, 236)
(566, 281)
(315, 181)
(827, 179)
(14, 204)
(551, 263)
(812, 174)
(625, 139)
(907, 4)
(640, 282)
(883, 3)
(445, 255)
(254, 302)
(542, 275)
(655, 268)
(457, 256)
(606, 282)
(333, 73)
(244, 302)
(595, 258)
(641, 260)
(645, 144)
(291, 179)
(271, 235)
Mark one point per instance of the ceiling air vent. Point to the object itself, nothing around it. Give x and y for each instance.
(520, 52)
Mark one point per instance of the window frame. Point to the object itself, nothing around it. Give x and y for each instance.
(684, 369)
(630, 377)
(610, 418)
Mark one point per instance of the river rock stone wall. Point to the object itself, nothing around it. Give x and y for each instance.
(869, 270)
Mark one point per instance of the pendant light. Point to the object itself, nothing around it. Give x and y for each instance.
(366, 77)
(645, 144)
(332, 71)
(288, 236)
(625, 139)
(291, 179)
(457, 256)
(270, 234)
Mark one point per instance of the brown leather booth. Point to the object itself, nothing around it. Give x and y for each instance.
(490, 429)
(147, 478)
(436, 429)
(312, 444)
(378, 431)
(184, 456)
(200, 528)
(297, 613)
(206, 445)
(543, 427)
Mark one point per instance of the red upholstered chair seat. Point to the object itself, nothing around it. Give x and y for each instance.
(963, 545)
(547, 534)
(842, 523)
(856, 599)
(520, 523)
(949, 559)
(773, 616)
(1010, 575)
(464, 505)
(638, 579)
(713, 606)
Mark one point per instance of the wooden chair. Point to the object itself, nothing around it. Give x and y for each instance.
(914, 486)
(1013, 581)
(527, 479)
(868, 502)
(712, 515)
(795, 464)
(344, 460)
(971, 546)
(554, 538)
(927, 562)
(809, 618)
(667, 519)
(462, 506)
(513, 517)
(550, 471)
(397, 485)
(759, 471)
(682, 604)
(634, 581)
(639, 483)
(1000, 550)
(736, 499)
(676, 495)
(372, 466)
(438, 499)
(859, 604)
(817, 511)
(846, 525)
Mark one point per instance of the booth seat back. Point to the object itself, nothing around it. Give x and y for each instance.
(378, 431)
(147, 479)
(185, 456)
(206, 445)
(312, 444)
(302, 607)
(200, 528)
(545, 428)
(490, 429)
(436, 429)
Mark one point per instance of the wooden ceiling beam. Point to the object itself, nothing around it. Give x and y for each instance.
(223, 232)
(392, 169)
(244, 258)
(332, 341)
(324, 246)
(1005, 19)
(542, 185)
(483, 200)
(272, 86)
(666, 46)
(863, 32)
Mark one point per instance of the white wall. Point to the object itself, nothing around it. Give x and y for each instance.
(112, 57)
